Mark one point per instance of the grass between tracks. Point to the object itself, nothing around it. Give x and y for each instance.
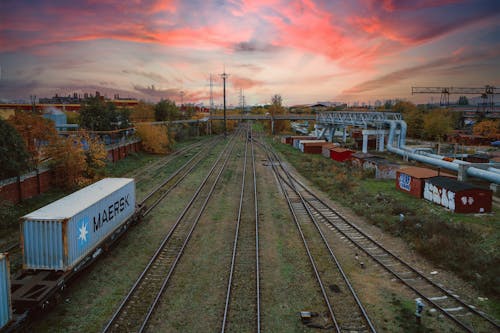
(91, 300)
(464, 243)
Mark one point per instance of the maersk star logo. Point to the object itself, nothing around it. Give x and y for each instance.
(82, 231)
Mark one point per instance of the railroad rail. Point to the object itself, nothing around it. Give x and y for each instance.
(344, 306)
(244, 286)
(464, 315)
(164, 188)
(140, 174)
(135, 310)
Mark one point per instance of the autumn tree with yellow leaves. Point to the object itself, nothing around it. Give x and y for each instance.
(36, 132)
(67, 160)
(487, 128)
(154, 138)
(76, 160)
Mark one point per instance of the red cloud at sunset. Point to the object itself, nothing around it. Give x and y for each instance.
(243, 83)
(279, 44)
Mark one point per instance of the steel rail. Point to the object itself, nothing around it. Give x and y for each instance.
(162, 245)
(181, 252)
(16, 245)
(399, 260)
(337, 263)
(407, 266)
(139, 174)
(235, 241)
(257, 250)
(306, 246)
(357, 301)
(199, 156)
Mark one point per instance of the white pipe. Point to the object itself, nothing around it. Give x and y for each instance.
(437, 160)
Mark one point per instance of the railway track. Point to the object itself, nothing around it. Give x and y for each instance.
(137, 307)
(464, 315)
(141, 174)
(345, 310)
(161, 191)
(242, 307)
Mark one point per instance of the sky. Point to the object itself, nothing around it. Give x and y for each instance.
(304, 50)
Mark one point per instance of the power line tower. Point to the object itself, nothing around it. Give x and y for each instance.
(242, 103)
(224, 77)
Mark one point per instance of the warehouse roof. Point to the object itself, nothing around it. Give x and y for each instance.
(341, 150)
(418, 172)
(452, 184)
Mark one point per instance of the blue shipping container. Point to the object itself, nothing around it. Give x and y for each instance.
(5, 307)
(61, 234)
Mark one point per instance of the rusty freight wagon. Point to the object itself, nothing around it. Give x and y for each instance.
(412, 179)
(459, 197)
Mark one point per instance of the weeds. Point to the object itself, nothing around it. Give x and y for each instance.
(464, 244)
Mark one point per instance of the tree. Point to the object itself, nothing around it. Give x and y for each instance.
(413, 117)
(76, 160)
(13, 155)
(275, 109)
(142, 112)
(36, 131)
(487, 128)
(67, 160)
(95, 155)
(166, 110)
(437, 124)
(98, 115)
(155, 139)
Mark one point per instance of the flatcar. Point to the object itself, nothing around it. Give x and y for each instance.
(61, 239)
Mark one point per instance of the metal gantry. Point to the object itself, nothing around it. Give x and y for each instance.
(358, 119)
(487, 93)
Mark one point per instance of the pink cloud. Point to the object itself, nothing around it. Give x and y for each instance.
(244, 83)
(395, 5)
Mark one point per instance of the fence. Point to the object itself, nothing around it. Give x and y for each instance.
(29, 185)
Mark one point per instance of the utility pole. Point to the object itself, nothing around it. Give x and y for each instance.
(211, 104)
(224, 77)
(33, 102)
(242, 101)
